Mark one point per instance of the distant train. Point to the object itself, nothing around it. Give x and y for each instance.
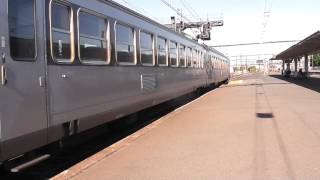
(68, 66)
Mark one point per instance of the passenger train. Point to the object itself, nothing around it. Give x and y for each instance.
(70, 65)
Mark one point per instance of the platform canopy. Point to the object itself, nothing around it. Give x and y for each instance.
(308, 45)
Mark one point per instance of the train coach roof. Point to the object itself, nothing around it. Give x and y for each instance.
(214, 50)
(134, 13)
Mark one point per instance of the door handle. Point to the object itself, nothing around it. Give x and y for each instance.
(41, 81)
(3, 75)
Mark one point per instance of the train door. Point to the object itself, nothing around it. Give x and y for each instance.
(23, 118)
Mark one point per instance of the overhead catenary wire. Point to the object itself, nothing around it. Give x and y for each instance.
(140, 10)
(256, 43)
(175, 9)
(191, 11)
(179, 13)
(189, 8)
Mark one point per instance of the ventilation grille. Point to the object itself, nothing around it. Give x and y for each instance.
(148, 82)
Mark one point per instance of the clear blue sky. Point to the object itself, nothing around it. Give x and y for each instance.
(289, 20)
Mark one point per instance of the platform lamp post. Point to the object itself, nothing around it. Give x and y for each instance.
(295, 66)
(236, 69)
(246, 63)
(241, 63)
(306, 64)
(283, 67)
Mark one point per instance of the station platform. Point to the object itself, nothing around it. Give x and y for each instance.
(256, 127)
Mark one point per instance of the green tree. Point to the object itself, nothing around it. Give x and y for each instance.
(316, 59)
(252, 69)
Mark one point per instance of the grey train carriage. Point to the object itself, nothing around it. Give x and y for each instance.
(79, 64)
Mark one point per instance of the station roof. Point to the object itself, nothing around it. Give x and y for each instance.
(308, 45)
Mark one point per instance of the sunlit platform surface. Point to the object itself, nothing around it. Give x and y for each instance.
(257, 127)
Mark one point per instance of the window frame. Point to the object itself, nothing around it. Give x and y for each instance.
(189, 58)
(202, 59)
(153, 49)
(216, 63)
(166, 50)
(70, 32)
(134, 43)
(198, 59)
(107, 38)
(185, 55)
(212, 62)
(35, 36)
(194, 58)
(177, 54)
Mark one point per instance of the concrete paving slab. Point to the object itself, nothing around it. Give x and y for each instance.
(258, 127)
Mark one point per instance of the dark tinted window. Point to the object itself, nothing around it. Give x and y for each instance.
(162, 51)
(125, 44)
(60, 17)
(213, 62)
(91, 25)
(203, 60)
(93, 42)
(189, 60)
(182, 56)
(61, 46)
(195, 59)
(21, 29)
(146, 48)
(200, 59)
(61, 33)
(173, 54)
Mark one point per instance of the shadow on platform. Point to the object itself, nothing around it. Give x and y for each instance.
(312, 83)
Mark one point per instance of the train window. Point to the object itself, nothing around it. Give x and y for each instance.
(212, 62)
(125, 44)
(198, 59)
(173, 54)
(93, 39)
(162, 52)
(194, 57)
(22, 29)
(182, 56)
(189, 63)
(146, 48)
(207, 61)
(202, 60)
(61, 33)
(215, 63)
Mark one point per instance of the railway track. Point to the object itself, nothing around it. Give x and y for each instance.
(88, 143)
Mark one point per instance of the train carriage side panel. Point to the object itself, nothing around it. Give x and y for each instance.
(23, 118)
(79, 90)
